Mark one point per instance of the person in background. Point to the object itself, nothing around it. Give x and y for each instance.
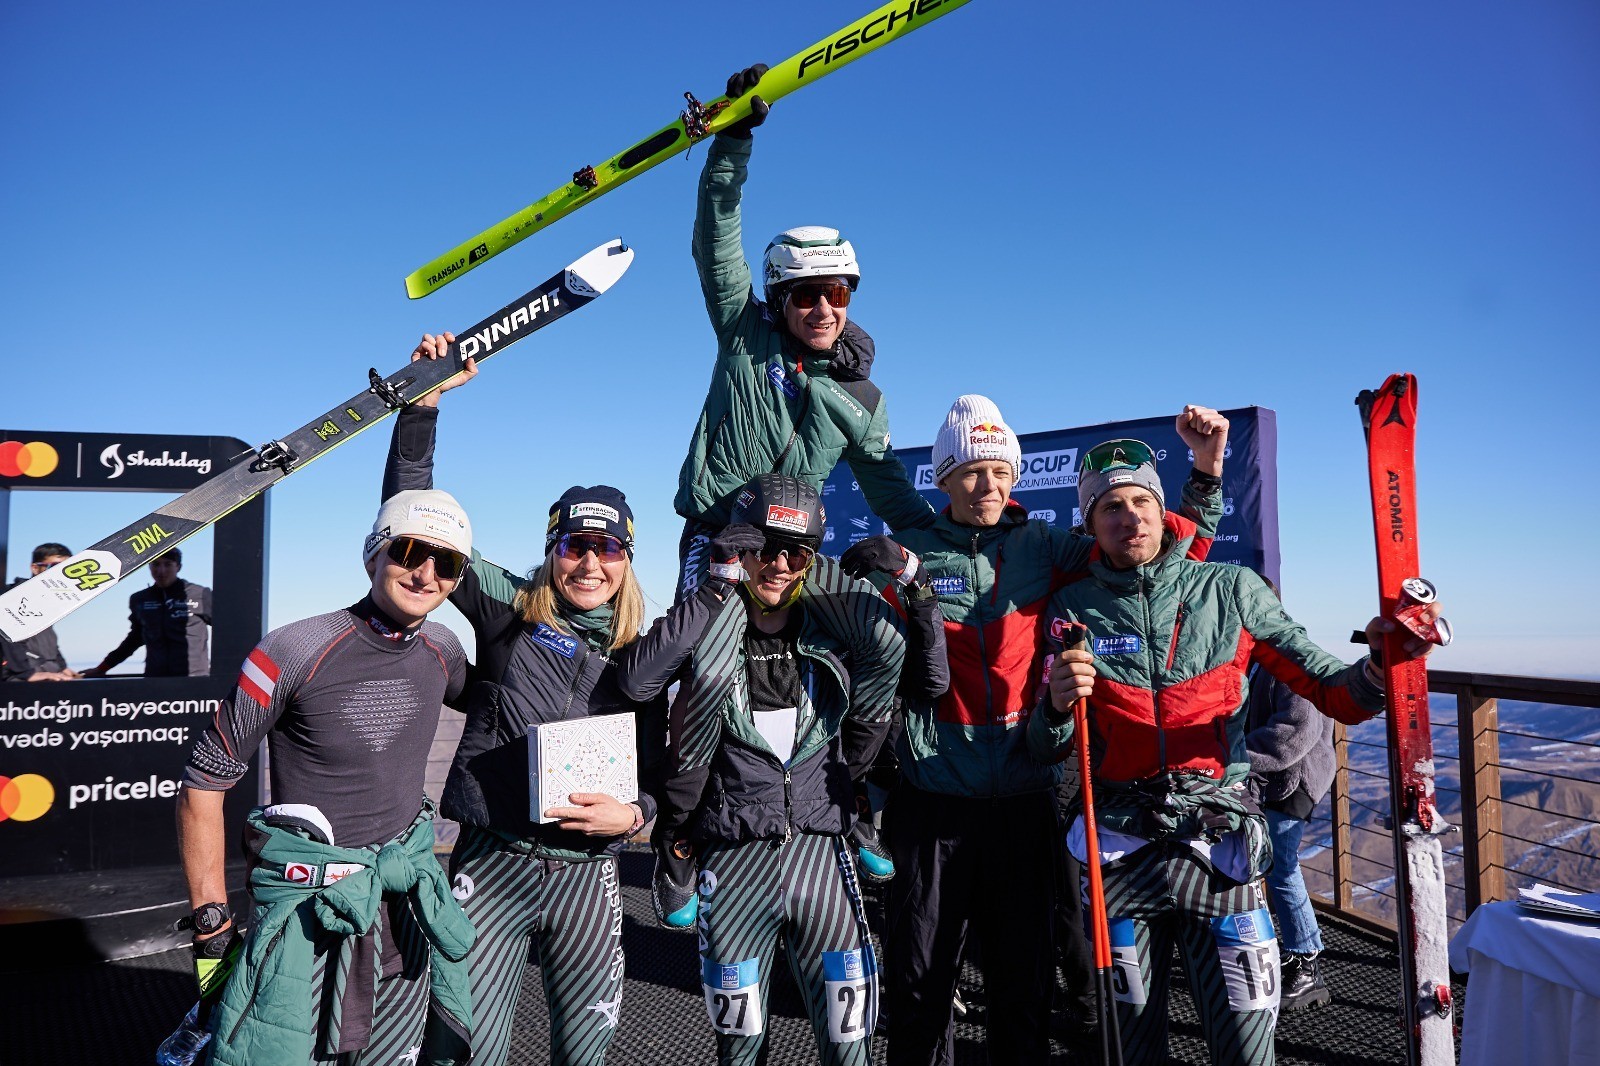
(38, 658)
(171, 618)
(1291, 769)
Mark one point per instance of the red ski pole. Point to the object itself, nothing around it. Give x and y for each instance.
(1077, 639)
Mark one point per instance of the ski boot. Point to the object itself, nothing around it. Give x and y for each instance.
(872, 858)
(672, 888)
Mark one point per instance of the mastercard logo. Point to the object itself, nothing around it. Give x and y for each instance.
(35, 459)
(25, 797)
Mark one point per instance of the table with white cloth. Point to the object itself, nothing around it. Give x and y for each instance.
(1533, 989)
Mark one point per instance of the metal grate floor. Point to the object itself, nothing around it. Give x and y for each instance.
(116, 1013)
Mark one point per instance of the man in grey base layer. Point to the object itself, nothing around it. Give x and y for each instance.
(365, 937)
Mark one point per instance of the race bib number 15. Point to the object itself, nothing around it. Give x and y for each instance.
(1247, 947)
(1127, 980)
(733, 996)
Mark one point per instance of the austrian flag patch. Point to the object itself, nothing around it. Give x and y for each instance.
(258, 677)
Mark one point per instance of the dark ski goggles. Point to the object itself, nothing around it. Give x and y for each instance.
(799, 555)
(805, 297)
(1118, 455)
(409, 553)
(575, 546)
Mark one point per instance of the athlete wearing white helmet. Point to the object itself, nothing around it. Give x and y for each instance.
(802, 271)
(790, 392)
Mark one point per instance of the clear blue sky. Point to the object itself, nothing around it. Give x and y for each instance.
(1088, 212)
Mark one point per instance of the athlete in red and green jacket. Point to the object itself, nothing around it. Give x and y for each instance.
(1182, 845)
(973, 826)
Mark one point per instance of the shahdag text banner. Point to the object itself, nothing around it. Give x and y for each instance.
(1048, 484)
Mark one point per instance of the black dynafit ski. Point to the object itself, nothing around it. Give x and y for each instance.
(44, 600)
(1389, 417)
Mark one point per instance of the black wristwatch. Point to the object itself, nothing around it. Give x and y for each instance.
(207, 918)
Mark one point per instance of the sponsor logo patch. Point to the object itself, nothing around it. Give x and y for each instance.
(1125, 644)
(338, 871)
(781, 381)
(788, 518)
(595, 510)
(950, 586)
(300, 873)
(560, 643)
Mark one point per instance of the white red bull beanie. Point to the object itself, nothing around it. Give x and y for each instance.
(974, 430)
(428, 513)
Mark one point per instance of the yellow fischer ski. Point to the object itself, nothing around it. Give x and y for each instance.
(698, 121)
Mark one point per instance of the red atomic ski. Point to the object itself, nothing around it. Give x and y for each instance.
(1389, 417)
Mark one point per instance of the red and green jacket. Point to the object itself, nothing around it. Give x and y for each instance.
(994, 584)
(1173, 641)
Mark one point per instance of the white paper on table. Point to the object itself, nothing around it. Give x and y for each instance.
(597, 754)
(1559, 902)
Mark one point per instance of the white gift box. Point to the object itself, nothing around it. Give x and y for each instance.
(582, 755)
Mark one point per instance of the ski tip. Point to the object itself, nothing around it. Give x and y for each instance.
(599, 270)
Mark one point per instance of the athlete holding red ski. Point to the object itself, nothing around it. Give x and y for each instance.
(1181, 845)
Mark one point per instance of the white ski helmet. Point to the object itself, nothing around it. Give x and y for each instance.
(808, 252)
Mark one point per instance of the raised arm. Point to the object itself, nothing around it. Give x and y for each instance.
(717, 240)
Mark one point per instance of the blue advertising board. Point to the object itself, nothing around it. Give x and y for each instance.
(1048, 483)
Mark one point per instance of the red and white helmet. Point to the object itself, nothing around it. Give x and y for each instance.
(808, 252)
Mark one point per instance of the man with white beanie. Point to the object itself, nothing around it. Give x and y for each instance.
(348, 703)
(972, 825)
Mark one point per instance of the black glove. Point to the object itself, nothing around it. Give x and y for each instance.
(731, 543)
(880, 553)
(738, 85)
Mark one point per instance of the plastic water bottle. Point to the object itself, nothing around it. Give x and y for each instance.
(186, 1041)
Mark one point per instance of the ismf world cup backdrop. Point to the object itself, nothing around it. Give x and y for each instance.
(1048, 483)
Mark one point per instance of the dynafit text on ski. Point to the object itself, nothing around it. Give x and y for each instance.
(698, 121)
(42, 601)
(1389, 418)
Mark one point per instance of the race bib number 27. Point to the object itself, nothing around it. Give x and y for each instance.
(733, 996)
(852, 990)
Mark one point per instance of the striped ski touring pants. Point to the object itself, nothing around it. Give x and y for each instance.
(1164, 894)
(571, 914)
(400, 1009)
(806, 891)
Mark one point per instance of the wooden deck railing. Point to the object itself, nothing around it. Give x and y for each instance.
(1476, 868)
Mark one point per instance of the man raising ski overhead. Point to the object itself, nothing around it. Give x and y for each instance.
(789, 393)
(1182, 845)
